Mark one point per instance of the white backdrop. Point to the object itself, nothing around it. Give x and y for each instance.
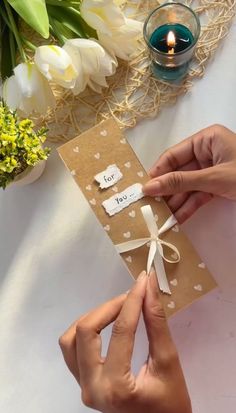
(47, 276)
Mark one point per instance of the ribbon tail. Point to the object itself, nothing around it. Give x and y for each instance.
(170, 222)
(161, 273)
(151, 255)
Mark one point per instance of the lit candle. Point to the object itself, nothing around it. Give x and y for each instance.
(171, 32)
(171, 42)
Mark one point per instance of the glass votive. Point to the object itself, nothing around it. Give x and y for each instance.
(171, 32)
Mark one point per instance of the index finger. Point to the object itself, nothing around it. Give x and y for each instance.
(121, 345)
(162, 350)
(185, 152)
(174, 158)
(88, 340)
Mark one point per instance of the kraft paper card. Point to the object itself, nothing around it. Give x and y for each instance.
(142, 229)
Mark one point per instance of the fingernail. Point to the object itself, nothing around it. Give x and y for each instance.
(141, 276)
(152, 270)
(152, 188)
(152, 173)
(153, 279)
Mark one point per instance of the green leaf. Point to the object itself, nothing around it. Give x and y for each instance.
(6, 57)
(34, 13)
(69, 17)
(64, 3)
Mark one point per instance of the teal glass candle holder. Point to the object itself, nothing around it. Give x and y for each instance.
(171, 32)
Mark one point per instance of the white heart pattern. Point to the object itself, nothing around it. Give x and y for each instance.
(171, 305)
(140, 174)
(132, 214)
(175, 228)
(76, 149)
(97, 155)
(123, 141)
(128, 164)
(127, 234)
(107, 227)
(198, 287)
(93, 201)
(129, 259)
(202, 265)
(73, 172)
(115, 189)
(88, 187)
(174, 282)
(103, 132)
(157, 198)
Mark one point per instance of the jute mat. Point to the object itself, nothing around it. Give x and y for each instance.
(133, 92)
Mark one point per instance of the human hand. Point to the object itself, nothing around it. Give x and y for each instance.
(191, 172)
(108, 385)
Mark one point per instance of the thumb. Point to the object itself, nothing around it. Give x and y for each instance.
(182, 181)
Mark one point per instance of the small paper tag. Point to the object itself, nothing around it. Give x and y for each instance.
(122, 200)
(109, 177)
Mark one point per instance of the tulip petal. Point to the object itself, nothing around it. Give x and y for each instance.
(102, 15)
(44, 98)
(55, 64)
(95, 86)
(92, 62)
(119, 2)
(71, 47)
(108, 64)
(100, 80)
(126, 35)
(88, 51)
(11, 93)
(25, 76)
(81, 83)
(34, 90)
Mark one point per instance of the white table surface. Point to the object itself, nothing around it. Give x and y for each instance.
(48, 276)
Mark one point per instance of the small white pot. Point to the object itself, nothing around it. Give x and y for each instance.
(30, 175)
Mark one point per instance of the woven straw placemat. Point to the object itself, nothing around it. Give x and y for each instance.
(133, 92)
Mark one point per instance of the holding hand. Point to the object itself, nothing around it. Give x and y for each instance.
(108, 385)
(194, 170)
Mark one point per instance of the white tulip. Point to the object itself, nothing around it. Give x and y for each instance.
(102, 15)
(55, 64)
(108, 65)
(92, 63)
(123, 42)
(28, 90)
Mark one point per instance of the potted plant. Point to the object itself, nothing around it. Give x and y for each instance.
(22, 157)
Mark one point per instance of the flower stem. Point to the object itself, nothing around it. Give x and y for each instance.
(15, 30)
(12, 48)
(30, 45)
(4, 16)
(54, 30)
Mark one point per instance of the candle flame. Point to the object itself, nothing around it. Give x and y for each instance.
(171, 41)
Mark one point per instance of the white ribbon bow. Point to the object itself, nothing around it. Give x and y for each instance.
(156, 254)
